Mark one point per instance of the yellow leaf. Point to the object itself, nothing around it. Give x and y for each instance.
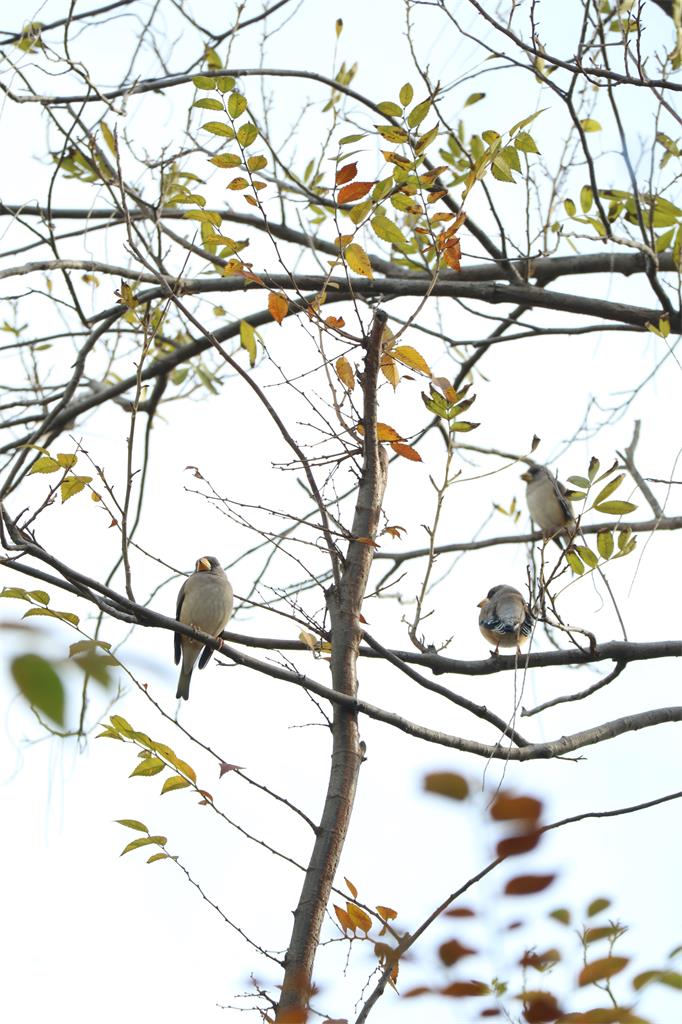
(352, 889)
(344, 371)
(247, 336)
(278, 306)
(344, 919)
(358, 260)
(386, 433)
(390, 370)
(358, 917)
(409, 356)
(308, 639)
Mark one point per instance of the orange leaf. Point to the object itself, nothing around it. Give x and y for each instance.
(344, 919)
(359, 918)
(344, 371)
(357, 190)
(386, 433)
(406, 451)
(598, 970)
(453, 254)
(346, 173)
(351, 889)
(278, 306)
(337, 322)
(525, 885)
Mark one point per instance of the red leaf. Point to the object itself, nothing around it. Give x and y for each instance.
(518, 844)
(346, 173)
(526, 885)
(357, 190)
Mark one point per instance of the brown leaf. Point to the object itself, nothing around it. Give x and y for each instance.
(598, 970)
(521, 843)
(225, 768)
(460, 989)
(345, 174)
(540, 1007)
(350, 193)
(447, 784)
(526, 885)
(506, 807)
(460, 912)
(452, 951)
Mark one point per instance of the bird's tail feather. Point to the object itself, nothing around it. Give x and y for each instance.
(183, 684)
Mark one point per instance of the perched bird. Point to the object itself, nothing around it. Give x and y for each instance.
(204, 602)
(505, 618)
(548, 505)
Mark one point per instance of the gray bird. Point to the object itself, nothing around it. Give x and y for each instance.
(505, 618)
(548, 505)
(204, 602)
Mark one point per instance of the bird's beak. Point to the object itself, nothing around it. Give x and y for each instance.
(481, 603)
(526, 476)
(203, 565)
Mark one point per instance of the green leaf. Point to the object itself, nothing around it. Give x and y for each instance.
(204, 82)
(72, 485)
(605, 543)
(225, 83)
(579, 481)
(226, 160)
(586, 198)
(218, 128)
(236, 105)
(590, 125)
(53, 614)
(390, 109)
(526, 143)
(593, 468)
(157, 856)
(39, 684)
(612, 486)
(391, 133)
(406, 94)
(67, 461)
(588, 556)
(569, 207)
(615, 508)
(247, 134)
(561, 915)
(45, 464)
(387, 230)
(526, 121)
(121, 725)
(475, 97)
(132, 823)
(247, 336)
(208, 103)
(39, 595)
(596, 906)
(174, 782)
(14, 592)
(88, 646)
(418, 113)
(574, 561)
(150, 766)
(462, 426)
(146, 841)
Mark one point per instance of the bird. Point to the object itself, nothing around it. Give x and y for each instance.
(205, 603)
(505, 619)
(548, 504)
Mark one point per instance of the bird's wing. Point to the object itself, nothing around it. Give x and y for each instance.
(561, 493)
(177, 637)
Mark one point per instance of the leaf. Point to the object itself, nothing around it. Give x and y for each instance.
(605, 543)
(506, 807)
(406, 451)
(14, 592)
(89, 646)
(387, 433)
(612, 486)
(40, 596)
(409, 356)
(346, 173)
(150, 766)
(356, 190)
(344, 371)
(360, 919)
(351, 889)
(574, 561)
(278, 306)
(53, 614)
(392, 133)
(405, 95)
(344, 919)
(358, 260)
(525, 122)
(598, 970)
(148, 840)
(596, 906)
(204, 82)
(588, 556)
(447, 784)
(39, 684)
(526, 143)
(132, 823)
(579, 481)
(590, 125)
(236, 105)
(390, 109)
(453, 951)
(72, 485)
(461, 989)
(67, 461)
(390, 370)
(218, 128)
(44, 464)
(247, 135)
(247, 337)
(418, 113)
(158, 856)
(561, 915)
(475, 97)
(615, 508)
(526, 885)
(208, 103)
(586, 198)
(257, 163)
(226, 160)
(174, 782)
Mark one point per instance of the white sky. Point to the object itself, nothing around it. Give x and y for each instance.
(88, 933)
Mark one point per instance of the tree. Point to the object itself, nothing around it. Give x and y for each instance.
(378, 260)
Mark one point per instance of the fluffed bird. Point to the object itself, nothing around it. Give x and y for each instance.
(205, 603)
(548, 505)
(505, 619)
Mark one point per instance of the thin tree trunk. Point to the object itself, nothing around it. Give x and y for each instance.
(344, 604)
